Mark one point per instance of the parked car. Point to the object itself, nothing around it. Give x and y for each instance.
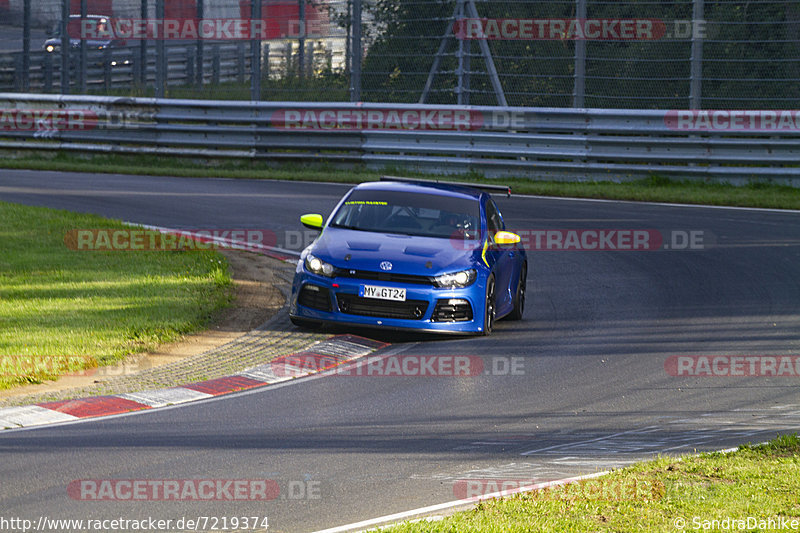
(53, 44)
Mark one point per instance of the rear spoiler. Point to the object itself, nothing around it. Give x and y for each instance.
(496, 188)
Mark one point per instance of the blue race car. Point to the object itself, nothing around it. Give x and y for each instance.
(411, 255)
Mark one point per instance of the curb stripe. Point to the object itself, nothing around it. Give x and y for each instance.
(216, 387)
(345, 349)
(264, 373)
(361, 342)
(339, 348)
(304, 363)
(163, 397)
(94, 406)
(31, 415)
(309, 358)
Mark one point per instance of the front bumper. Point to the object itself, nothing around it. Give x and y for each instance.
(427, 308)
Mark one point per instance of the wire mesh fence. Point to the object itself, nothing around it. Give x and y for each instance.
(670, 54)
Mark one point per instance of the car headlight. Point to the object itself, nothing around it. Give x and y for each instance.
(456, 280)
(50, 47)
(318, 266)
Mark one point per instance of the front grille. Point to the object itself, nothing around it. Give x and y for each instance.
(452, 310)
(356, 305)
(315, 297)
(385, 276)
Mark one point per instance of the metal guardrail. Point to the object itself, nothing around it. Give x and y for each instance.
(538, 143)
(121, 67)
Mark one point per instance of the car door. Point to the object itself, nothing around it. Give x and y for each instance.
(504, 261)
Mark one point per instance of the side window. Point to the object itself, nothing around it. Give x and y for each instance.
(494, 221)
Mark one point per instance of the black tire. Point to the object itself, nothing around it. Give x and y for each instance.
(489, 313)
(519, 296)
(305, 323)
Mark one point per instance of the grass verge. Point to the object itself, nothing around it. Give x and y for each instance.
(63, 310)
(653, 189)
(750, 486)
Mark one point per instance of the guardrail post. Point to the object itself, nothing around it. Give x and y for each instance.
(161, 55)
(143, 49)
(19, 68)
(309, 68)
(107, 68)
(190, 75)
(301, 42)
(82, 74)
(467, 71)
(200, 47)
(460, 52)
(240, 62)
(696, 87)
(47, 67)
(348, 30)
(65, 46)
(579, 87)
(26, 46)
(255, 53)
(265, 65)
(355, 53)
(216, 66)
(136, 69)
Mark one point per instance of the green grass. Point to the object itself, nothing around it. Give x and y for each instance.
(761, 481)
(65, 310)
(325, 87)
(653, 189)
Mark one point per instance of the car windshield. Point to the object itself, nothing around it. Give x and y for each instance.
(425, 215)
(75, 26)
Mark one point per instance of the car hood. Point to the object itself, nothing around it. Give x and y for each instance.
(408, 254)
(90, 43)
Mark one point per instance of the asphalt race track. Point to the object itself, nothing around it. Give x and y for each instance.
(594, 390)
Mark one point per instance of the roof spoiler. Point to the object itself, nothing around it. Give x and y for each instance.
(496, 188)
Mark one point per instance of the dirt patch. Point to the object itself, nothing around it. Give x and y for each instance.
(257, 299)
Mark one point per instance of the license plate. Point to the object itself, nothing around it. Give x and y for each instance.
(382, 293)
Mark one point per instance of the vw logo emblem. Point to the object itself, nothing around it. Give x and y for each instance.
(386, 265)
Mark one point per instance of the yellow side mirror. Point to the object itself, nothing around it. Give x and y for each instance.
(506, 237)
(312, 221)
